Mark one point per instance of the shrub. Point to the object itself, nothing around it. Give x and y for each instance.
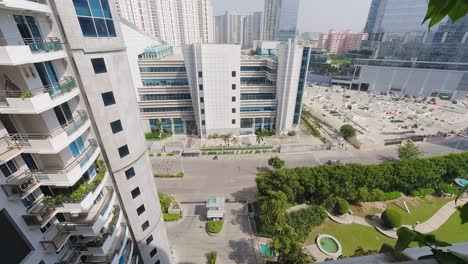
(215, 227)
(257, 151)
(25, 94)
(291, 133)
(170, 154)
(212, 257)
(305, 219)
(168, 175)
(447, 188)
(154, 136)
(348, 131)
(341, 207)
(159, 155)
(151, 153)
(171, 217)
(276, 162)
(313, 129)
(422, 192)
(391, 218)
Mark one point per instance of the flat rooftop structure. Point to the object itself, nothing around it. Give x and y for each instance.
(215, 207)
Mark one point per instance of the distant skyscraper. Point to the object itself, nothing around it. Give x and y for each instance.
(280, 19)
(408, 58)
(229, 28)
(252, 29)
(175, 22)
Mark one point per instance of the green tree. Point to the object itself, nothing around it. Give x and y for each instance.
(276, 162)
(260, 138)
(289, 250)
(409, 151)
(272, 209)
(226, 138)
(347, 131)
(439, 9)
(159, 127)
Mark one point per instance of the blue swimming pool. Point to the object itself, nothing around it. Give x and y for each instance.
(266, 251)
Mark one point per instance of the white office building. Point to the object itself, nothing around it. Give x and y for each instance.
(76, 182)
(205, 89)
(175, 22)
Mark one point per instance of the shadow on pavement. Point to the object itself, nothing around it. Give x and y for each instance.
(239, 217)
(245, 194)
(386, 158)
(242, 251)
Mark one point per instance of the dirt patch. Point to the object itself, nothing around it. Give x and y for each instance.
(371, 208)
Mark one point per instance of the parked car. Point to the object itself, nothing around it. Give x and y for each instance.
(333, 162)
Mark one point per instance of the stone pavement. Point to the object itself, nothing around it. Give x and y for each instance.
(316, 253)
(440, 217)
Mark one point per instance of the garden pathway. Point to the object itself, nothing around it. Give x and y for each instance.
(317, 254)
(297, 208)
(430, 225)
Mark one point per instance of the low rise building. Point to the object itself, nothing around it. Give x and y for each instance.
(204, 89)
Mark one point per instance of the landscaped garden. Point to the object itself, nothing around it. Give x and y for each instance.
(155, 136)
(370, 189)
(169, 204)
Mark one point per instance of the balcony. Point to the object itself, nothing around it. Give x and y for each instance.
(37, 100)
(26, 5)
(54, 141)
(17, 187)
(20, 51)
(90, 223)
(39, 213)
(68, 176)
(109, 238)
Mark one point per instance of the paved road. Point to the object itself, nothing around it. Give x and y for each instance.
(191, 243)
(234, 176)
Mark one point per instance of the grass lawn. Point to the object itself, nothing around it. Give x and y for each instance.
(421, 208)
(453, 231)
(350, 236)
(153, 136)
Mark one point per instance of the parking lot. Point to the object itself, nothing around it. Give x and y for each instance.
(385, 117)
(191, 243)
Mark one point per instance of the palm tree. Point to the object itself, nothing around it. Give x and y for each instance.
(226, 138)
(260, 138)
(159, 127)
(234, 141)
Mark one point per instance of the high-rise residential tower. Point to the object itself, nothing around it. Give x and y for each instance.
(175, 22)
(407, 58)
(77, 183)
(280, 21)
(252, 29)
(206, 89)
(229, 28)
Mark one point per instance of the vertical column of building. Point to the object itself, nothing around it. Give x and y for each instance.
(98, 53)
(292, 71)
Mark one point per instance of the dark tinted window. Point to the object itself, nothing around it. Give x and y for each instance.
(149, 239)
(130, 173)
(153, 252)
(200, 74)
(141, 209)
(145, 226)
(233, 73)
(233, 86)
(233, 98)
(116, 126)
(108, 98)
(99, 65)
(200, 87)
(135, 192)
(123, 151)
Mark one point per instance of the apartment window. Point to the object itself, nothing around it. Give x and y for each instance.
(202, 100)
(116, 126)
(200, 87)
(8, 168)
(108, 98)
(153, 252)
(202, 111)
(200, 74)
(203, 122)
(233, 98)
(141, 209)
(123, 151)
(233, 110)
(46, 227)
(99, 65)
(95, 18)
(233, 121)
(130, 173)
(233, 73)
(135, 192)
(149, 240)
(145, 225)
(233, 86)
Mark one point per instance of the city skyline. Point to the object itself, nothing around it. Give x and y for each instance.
(332, 14)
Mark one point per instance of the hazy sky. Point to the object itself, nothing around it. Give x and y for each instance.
(316, 15)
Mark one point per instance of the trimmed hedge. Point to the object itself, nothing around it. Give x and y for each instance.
(212, 257)
(171, 217)
(215, 227)
(423, 192)
(391, 218)
(341, 207)
(354, 182)
(305, 219)
(168, 175)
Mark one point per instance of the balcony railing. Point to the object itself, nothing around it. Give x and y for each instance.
(39, 213)
(20, 185)
(67, 84)
(23, 139)
(35, 44)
